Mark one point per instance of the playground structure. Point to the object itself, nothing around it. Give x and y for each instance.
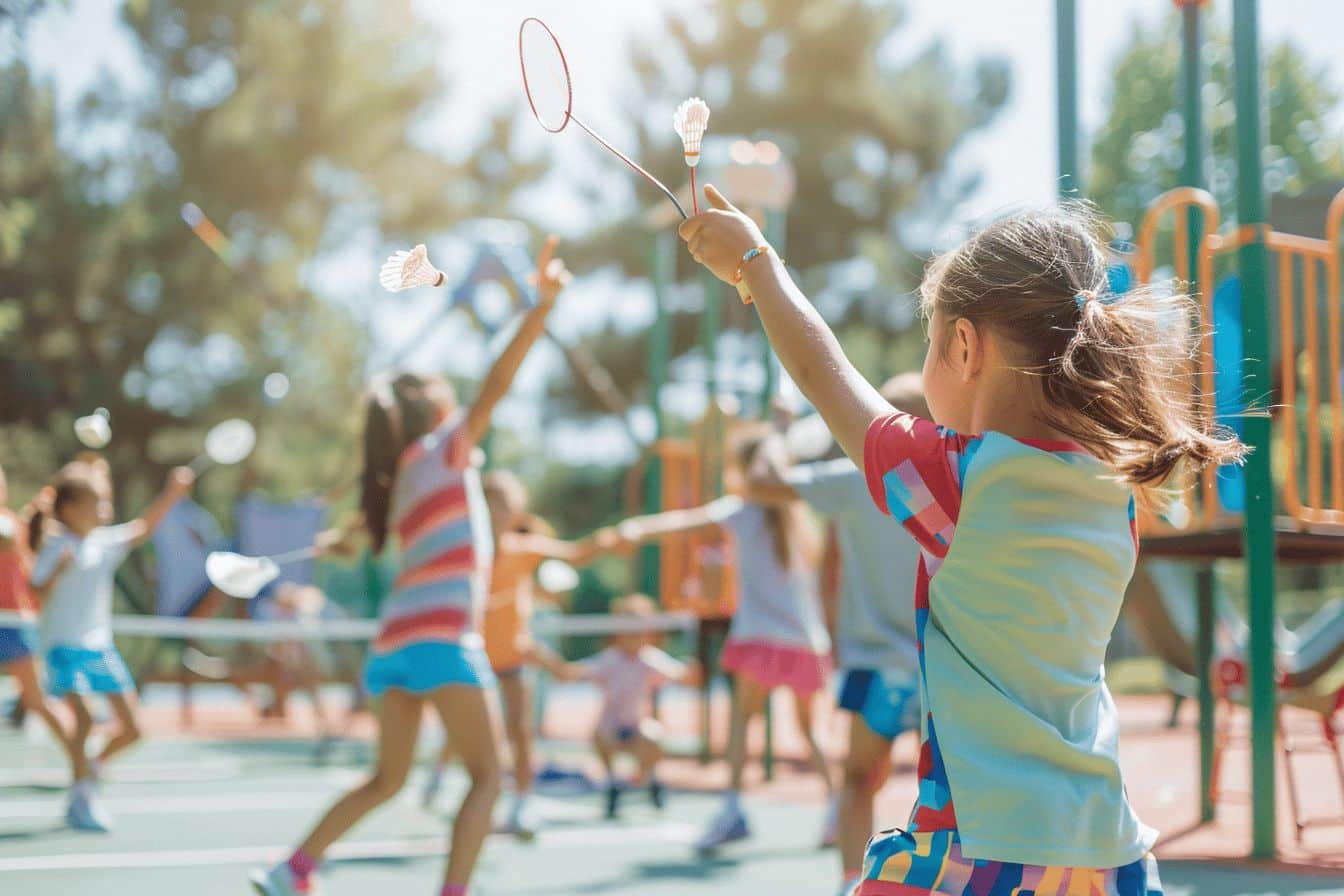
(1235, 516)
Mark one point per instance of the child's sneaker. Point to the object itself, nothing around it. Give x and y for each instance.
(86, 811)
(281, 880)
(728, 826)
(830, 828)
(613, 799)
(523, 823)
(433, 784)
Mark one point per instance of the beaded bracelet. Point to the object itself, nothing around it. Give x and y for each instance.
(747, 257)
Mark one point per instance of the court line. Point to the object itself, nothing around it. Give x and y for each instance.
(668, 832)
(175, 805)
(159, 772)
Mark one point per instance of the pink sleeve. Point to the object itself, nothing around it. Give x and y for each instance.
(913, 468)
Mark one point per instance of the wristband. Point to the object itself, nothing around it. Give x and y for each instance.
(747, 257)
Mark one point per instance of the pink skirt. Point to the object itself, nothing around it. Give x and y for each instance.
(775, 665)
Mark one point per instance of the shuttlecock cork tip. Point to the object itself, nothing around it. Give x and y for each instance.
(690, 121)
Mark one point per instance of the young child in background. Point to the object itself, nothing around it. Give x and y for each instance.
(1057, 401)
(870, 597)
(522, 541)
(420, 484)
(73, 575)
(628, 672)
(777, 637)
(18, 643)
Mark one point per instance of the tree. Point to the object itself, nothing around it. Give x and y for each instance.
(1138, 152)
(292, 124)
(869, 133)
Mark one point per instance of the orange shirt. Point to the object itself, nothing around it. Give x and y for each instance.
(508, 612)
(15, 564)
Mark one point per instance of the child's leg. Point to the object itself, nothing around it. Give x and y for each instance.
(647, 752)
(33, 700)
(748, 702)
(866, 768)
(469, 723)
(516, 694)
(606, 751)
(398, 726)
(126, 707)
(802, 707)
(79, 737)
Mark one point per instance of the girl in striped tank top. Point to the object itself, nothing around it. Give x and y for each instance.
(420, 485)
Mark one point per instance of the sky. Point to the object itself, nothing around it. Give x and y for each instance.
(1015, 153)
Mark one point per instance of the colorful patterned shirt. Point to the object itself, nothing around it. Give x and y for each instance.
(1013, 617)
(442, 525)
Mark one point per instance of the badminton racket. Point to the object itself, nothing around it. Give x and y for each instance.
(550, 93)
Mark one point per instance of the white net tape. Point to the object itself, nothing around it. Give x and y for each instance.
(357, 629)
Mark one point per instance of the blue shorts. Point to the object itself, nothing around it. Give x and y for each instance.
(428, 666)
(16, 644)
(888, 704)
(78, 670)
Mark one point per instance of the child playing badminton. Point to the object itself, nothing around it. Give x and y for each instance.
(73, 575)
(628, 672)
(420, 485)
(777, 637)
(18, 643)
(874, 623)
(522, 541)
(1057, 401)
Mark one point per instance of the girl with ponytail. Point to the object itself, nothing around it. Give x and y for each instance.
(1055, 404)
(421, 488)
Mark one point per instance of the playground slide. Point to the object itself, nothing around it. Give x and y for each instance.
(1160, 605)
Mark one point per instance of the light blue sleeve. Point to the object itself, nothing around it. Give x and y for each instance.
(832, 487)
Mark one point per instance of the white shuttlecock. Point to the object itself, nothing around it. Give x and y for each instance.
(690, 121)
(94, 431)
(407, 270)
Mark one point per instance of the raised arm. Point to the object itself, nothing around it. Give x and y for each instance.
(178, 486)
(718, 239)
(550, 278)
(640, 529)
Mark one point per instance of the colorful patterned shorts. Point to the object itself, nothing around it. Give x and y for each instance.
(904, 864)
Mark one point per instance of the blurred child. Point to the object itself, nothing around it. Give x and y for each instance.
(74, 574)
(628, 672)
(18, 643)
(419, 483)
(873, 619)
(522, 541)
(1058, 401)
(777, 637)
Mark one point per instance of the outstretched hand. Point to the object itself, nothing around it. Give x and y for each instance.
(551, 275)
(720, 236)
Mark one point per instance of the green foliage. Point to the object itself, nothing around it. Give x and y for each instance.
(1138, 154)
(292, 124)
(869, 131)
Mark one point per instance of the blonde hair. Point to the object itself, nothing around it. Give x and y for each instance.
(795, 540)
(1110, 366)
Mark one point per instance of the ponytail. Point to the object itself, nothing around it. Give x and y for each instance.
(1115, 370)
(36, 527)
(382, 448)
(397, 412)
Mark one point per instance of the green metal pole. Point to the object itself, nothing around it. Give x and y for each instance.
(662, 269)
(710, 324)
(1259, 517)
(1066, 77)
(1192, 107)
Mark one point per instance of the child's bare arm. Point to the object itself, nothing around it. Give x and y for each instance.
(551, 278)
(848, 403)
(555, 666)
(640, 529)
(178, 486)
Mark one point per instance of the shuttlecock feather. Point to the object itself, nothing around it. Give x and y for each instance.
(407, 270)
(690, 121)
